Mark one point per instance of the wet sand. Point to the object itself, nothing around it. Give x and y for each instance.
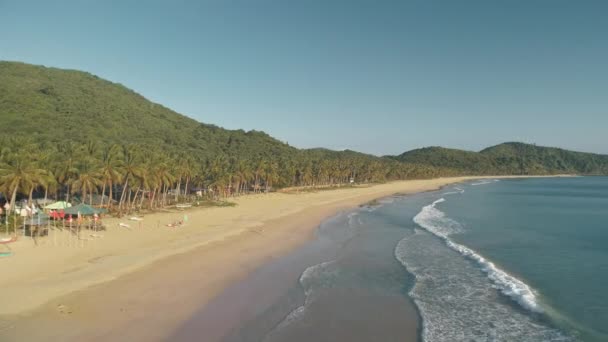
(337, 317)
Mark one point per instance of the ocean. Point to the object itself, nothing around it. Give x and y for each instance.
(508, 260)
(488, 260)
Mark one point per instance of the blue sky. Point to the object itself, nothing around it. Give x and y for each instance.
(375, 76)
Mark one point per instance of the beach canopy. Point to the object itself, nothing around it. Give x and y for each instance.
(58, 205)
(83, 209)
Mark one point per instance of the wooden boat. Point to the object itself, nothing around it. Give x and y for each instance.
(8, 240)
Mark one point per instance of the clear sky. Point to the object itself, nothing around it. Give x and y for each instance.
(374, 76)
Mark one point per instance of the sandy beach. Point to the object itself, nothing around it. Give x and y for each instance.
(140, 284)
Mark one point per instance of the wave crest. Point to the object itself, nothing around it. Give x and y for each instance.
(436, 222)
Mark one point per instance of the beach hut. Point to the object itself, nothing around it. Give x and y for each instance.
(36, 223)
(58, 205)
(84, 210)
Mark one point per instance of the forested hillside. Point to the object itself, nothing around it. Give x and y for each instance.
(510, 158)
(53, 106)
(70, 133)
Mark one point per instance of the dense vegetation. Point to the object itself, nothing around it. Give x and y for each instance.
(510, 159)
(66, 133)
(69, 133)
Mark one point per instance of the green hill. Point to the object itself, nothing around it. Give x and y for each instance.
(53, 105)
(510, 158)
(462, 161)
(69, 122)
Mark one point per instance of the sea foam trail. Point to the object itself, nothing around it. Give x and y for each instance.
(436, 222)
(483, 182)
(307, 282)
(457, 190)
(354, 219)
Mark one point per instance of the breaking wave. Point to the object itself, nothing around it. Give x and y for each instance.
(436, 222)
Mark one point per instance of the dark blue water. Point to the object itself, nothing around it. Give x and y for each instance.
(509, 260)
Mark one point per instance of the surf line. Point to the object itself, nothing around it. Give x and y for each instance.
(431, 219)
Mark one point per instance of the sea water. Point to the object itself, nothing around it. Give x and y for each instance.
(491, 260)
(513, 260)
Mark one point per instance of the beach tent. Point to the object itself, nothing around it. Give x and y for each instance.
(84, 210)
(58, 205)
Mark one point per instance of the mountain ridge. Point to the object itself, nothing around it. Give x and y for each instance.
(509, 158)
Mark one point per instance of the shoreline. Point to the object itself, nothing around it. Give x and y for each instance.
(126, 293)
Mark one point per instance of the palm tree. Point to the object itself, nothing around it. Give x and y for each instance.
(110, 170)
(88, 179)
(163, 178)
(184, 170)
(259, 172)
(49, 181)
(131, 168)
(19, 174)
(272, 174)
(91, 148)
(66, 170)
(242, 175)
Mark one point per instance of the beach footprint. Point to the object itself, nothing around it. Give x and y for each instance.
(64, 309)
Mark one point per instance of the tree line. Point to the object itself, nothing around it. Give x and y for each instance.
(131, 177)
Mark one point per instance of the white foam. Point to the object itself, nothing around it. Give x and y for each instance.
(457, 191)
(486, 181)
(387, 200)
(354, 219)
(480, 183)
(506, 283)
(310, 273)
(370, 208)
(435, 221)
(306, 279)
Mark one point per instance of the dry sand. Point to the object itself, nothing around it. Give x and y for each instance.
(141, 284)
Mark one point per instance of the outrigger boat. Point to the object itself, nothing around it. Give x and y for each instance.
(5, 242)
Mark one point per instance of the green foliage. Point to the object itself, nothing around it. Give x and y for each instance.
(71, 133)
(510, 159)
(52, 105)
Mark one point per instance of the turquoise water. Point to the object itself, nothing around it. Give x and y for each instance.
(493, 260)
(552, 235)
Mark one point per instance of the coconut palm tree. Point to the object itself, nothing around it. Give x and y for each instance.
(259, 173)
(272, 174)
(65, 167)
(242, 175)
(164, 178)
(110, 170)
(88, 179)
(19, 173)
(183, 171)
(131, 168)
